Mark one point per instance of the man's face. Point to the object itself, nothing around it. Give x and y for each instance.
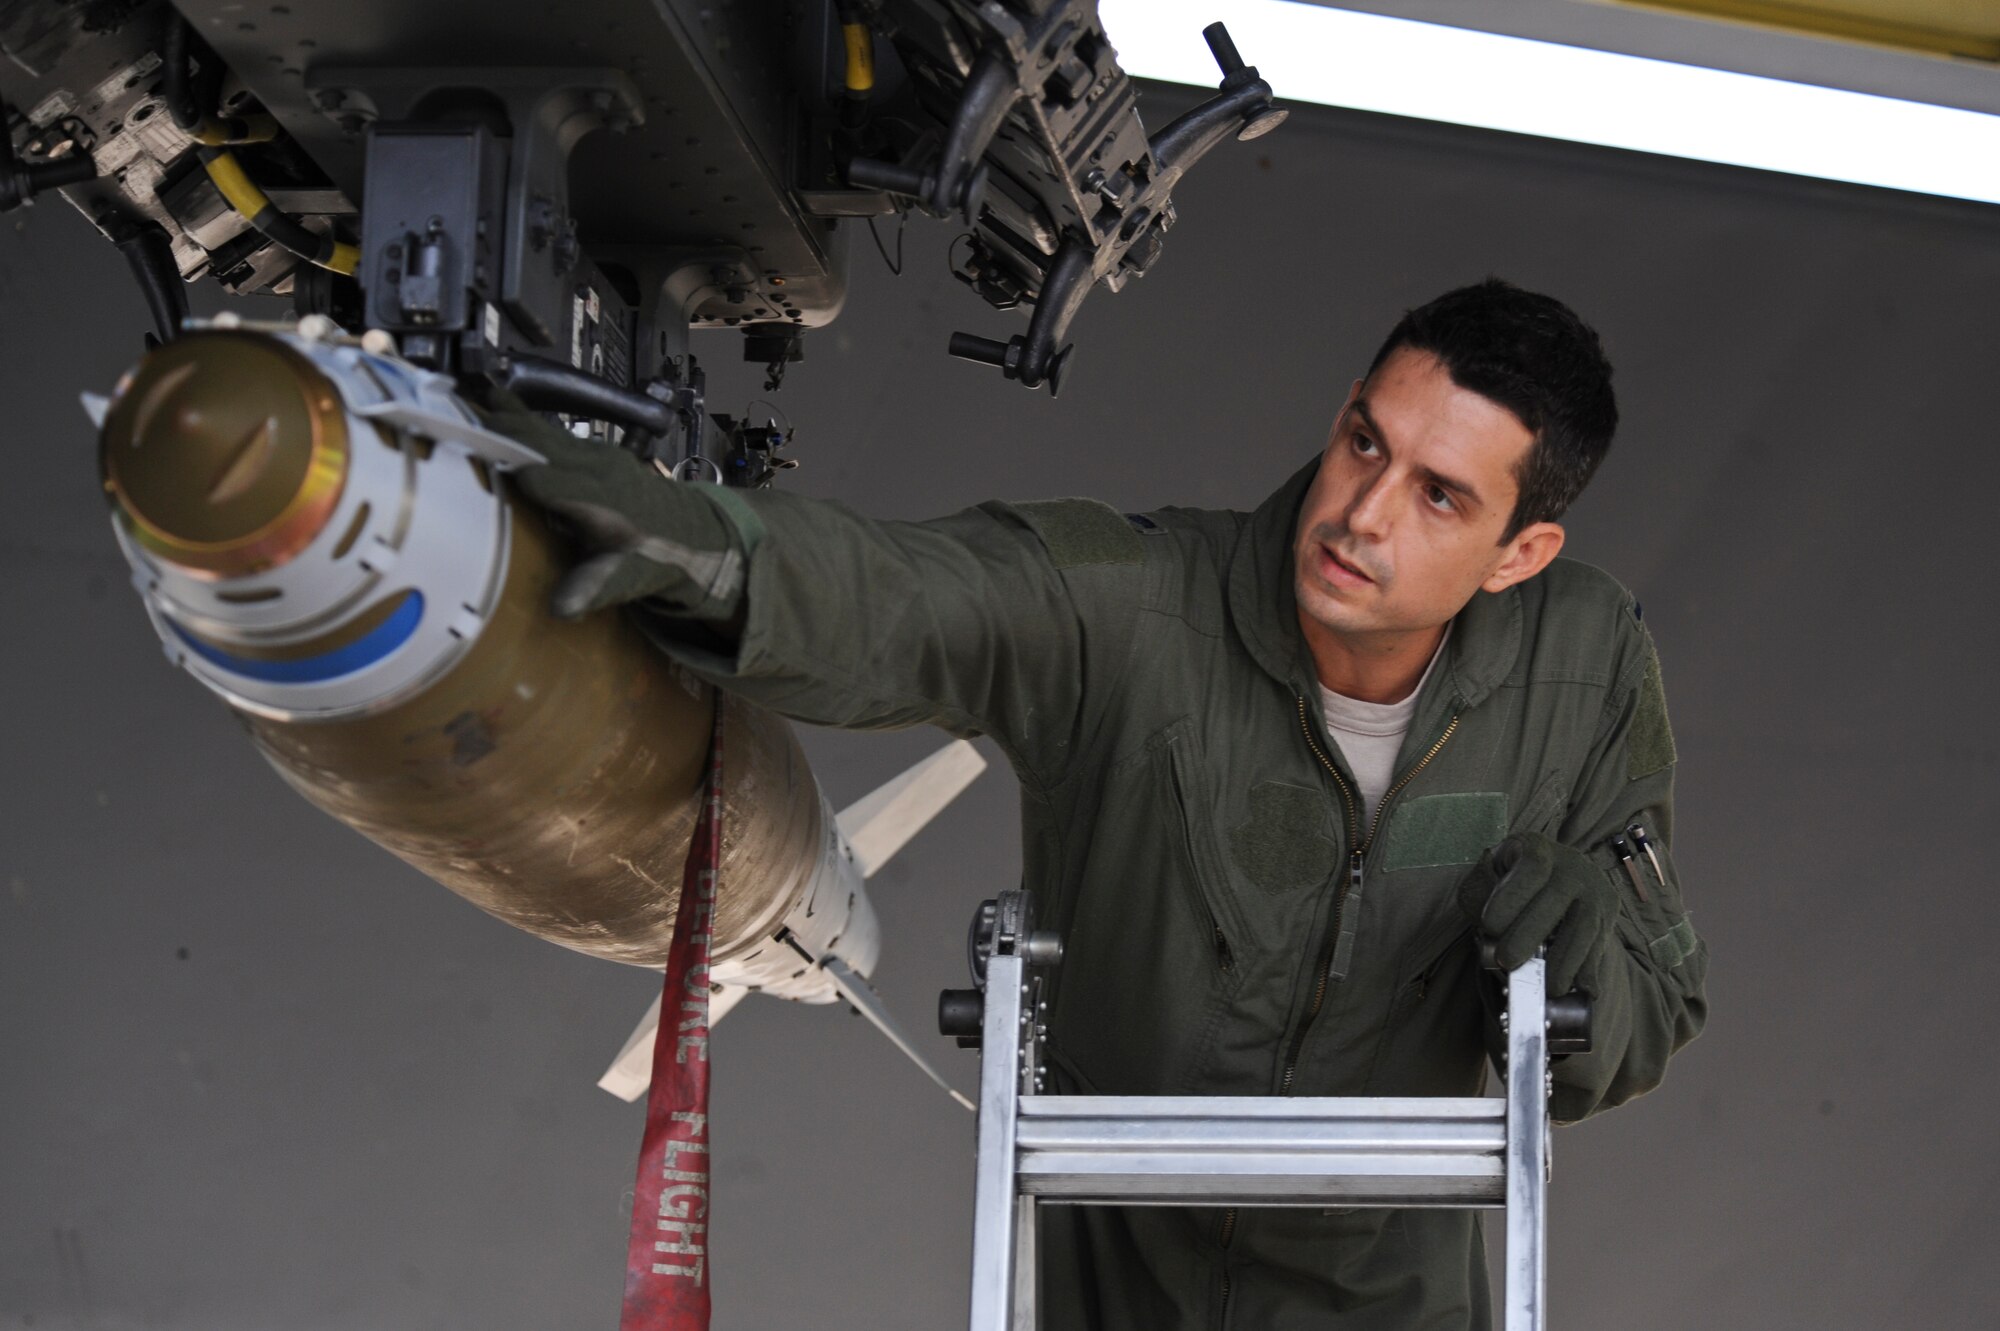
(1402, 525)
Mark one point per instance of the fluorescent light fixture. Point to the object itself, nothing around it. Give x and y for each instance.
(1368, 62)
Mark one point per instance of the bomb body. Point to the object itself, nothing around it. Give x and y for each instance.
(326, 539)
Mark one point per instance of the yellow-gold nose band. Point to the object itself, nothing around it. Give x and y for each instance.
(226, 454)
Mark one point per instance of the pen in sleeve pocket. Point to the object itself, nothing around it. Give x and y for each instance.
(1624, 853)
(1645, 843)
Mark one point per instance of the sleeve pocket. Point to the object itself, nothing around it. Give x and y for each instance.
(1651, 906)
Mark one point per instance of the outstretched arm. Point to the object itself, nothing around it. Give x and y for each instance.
(968, 622)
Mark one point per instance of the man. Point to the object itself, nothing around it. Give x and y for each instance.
(1276, 768)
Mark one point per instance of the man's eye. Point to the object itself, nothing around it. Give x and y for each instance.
(1364, 445)
(1440, 499)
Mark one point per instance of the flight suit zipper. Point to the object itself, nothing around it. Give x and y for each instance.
(1349, 888)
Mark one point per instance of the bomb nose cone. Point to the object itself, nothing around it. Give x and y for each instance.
(226, 454)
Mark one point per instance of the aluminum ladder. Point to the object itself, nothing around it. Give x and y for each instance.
(1036, 1149)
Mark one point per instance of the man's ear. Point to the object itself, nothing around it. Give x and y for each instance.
(1531, 551)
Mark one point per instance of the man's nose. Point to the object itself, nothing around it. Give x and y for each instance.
(1368, 515)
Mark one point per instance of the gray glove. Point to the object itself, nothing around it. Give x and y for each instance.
(644, 536)
(1530, 890)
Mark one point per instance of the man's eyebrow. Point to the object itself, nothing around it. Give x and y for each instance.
(1368, 419)
(1463, 489)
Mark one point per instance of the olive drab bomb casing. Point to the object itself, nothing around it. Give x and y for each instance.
(324, 537)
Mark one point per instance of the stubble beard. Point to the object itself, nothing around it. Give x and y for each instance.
(1323, 604)
(1335, 536)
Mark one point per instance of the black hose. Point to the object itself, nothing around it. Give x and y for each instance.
(151, 255)
(194, 109)
(294, 236)
(174, 84)
(21, 181)
(548, 386)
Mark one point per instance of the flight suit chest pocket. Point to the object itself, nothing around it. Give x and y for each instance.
(1284, 842)
(1190, 824)
(1433, 831)
(1430, 844)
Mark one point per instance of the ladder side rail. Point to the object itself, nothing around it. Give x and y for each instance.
(994, 1225)
(1527, 1075)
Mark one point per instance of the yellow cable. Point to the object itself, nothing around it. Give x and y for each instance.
(217, 132)
(242, 194)
(860, 56)
(238, 190)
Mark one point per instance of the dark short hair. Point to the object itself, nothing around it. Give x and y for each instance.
(1532, 355)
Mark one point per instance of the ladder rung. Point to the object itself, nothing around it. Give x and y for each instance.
(1346, 1151)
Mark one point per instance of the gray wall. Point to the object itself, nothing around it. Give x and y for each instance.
(256, 1073)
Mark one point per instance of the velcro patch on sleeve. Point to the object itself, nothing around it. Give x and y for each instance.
(1079, 532)
(749, 527)
(1674, 946)
(1456, 828)
(1650, 747)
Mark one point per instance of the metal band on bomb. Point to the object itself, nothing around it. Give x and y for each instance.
(297, 550)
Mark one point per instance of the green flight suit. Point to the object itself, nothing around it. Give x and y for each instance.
(1231, 925)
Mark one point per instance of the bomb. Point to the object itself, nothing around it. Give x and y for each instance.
(324, 536)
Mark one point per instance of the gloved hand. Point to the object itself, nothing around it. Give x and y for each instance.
(1530, 890)
(646, 535)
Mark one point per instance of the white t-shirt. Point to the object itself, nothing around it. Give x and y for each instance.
(1370, 735)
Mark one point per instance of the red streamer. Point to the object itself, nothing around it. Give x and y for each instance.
(666, 1262)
